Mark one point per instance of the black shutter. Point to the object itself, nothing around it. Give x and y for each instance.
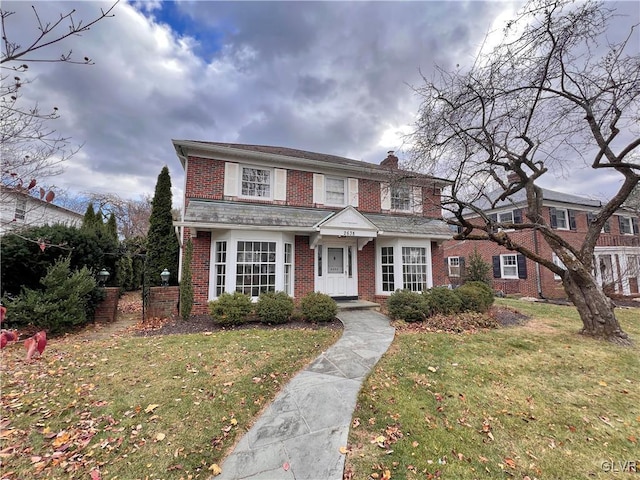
(607, 226)
(517, 216)
(590, 217)
(496, 266)
(620, 224)
(553, 218)
(462, 270)
(634, 222)
(446, 266)
(493, 218)
(572, 220)
(522, 266)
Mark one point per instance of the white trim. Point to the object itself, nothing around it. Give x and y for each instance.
(398, 244)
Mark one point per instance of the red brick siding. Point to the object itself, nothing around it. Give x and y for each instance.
(431, 202)
(205, 179)
(369, 196)
(437, 261)
(163, 302)
(304, 275)
(200, 272)
(107, 309)
(299, 188)
(367, 272)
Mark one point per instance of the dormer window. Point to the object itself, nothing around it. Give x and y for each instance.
(505, 217)
(256, 182)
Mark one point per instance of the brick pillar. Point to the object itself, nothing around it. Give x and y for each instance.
(163, 302)
(107, 310)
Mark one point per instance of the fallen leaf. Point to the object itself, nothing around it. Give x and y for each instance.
(432, 369)
(95, 475)
(234, 422)
(151, 408)
(343, 450)
(386, 475)
(510, 462)
(215, 469)
(602, 384)
(415, 444)
(632, 439)
(160, 436)
(286, 466)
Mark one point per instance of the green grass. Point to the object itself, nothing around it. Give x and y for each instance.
(137, 408)
(536, 400)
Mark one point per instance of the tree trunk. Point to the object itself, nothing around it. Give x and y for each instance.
(595, 308)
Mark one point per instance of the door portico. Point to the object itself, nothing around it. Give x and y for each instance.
(336, 241)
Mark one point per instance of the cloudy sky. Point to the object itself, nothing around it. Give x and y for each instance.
(331, 77)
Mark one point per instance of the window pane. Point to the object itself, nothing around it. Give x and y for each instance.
(388, 279)
(256, 182)
(256, 268)
(454, 266)
(561, 218)
(414, 268)
(220, 267)
(334, 191)
(625, 225)
(400, 198)
(509, 266)
(506, 217)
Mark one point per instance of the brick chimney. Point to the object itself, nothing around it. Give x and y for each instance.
(391, 161)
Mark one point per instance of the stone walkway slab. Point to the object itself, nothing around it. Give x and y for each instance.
(309, 420)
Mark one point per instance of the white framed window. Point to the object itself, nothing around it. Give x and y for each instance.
(505, 217)
(401, 198)
(626, 225)
(21, 208)
(562, 219)
(414, 268)
(454, 266)
(509, 266)
(288, 262)
(220, 267)
(256, 182)
(335, 191)
(556, 261)
(388, 275)
(255, 267)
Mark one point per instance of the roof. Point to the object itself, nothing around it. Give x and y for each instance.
(520, 197)
(293, 153)
(204, 214)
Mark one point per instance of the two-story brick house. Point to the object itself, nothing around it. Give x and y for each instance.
(267, 218)
(616, 255)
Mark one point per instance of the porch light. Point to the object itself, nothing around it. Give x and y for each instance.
(165, 277)
(103, 276)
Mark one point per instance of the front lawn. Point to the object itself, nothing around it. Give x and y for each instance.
(531, 401)
(135, 408)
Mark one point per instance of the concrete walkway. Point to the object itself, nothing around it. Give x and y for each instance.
(300, 434)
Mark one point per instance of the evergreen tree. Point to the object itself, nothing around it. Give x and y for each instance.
(186, 284)
(89, 220)
(112, 227)
(162, 243)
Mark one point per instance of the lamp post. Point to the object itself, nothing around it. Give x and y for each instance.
(165, 277)
(103, 276)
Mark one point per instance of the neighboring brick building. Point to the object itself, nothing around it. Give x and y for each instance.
(270, 218)
(617, 254)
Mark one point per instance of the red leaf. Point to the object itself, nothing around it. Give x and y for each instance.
(285, 466)
(32, 184)
(49, 197)
(42, 192)
(95, 475)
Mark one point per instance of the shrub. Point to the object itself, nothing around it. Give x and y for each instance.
(407, 305)
(475, 296)
(274, 307)
(442, 300)
(186, 284)
(477, 269)
(231, 309)
(318, 307)
(68, 300)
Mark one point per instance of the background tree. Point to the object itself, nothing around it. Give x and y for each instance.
(132, 216)
(555, 90)
(30, 147)
(162, 242)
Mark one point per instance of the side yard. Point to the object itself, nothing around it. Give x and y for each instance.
(165, 406)
(533, 401)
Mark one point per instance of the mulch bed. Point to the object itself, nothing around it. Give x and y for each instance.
(204, 323)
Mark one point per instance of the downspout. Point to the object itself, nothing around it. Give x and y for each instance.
(538, 280)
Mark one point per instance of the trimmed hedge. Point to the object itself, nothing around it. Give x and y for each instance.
(274, 307)
(475, 296)
(231, 309)
(442, 300)
(318, 307)
(407, 305)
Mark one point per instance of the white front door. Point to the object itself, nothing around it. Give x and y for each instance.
(340, 275)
